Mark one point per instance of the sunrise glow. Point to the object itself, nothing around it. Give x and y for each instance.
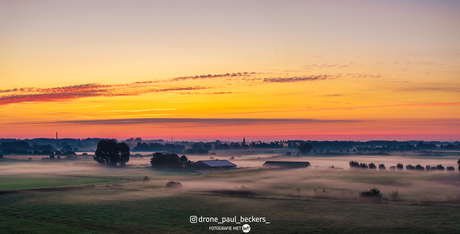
(358, 70)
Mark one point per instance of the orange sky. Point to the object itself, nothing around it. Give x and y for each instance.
(211, 70)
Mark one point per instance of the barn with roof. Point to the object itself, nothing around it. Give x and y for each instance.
(214, 164)
(286, 164)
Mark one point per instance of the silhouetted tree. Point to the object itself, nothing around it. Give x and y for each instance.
(183, 158)
(419, 167)
(305, 148)
(399, 166)
(110, 152)
(190, 151)
(173, 184)
(160, 160)
(353, 164)
(382, 167)
(372, 166)
(440, 167)
(458, 162)
(66, 148)
(395, 196)
(450, 168)
(375, 192)
(1, 155)
(202, 151)
(207, 146)
(197, 146)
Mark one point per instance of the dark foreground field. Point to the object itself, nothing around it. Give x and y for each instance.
(48, 213)
(293, 201)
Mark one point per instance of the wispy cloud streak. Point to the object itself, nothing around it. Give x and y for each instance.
(78, 91)
(214, 76)
(297, 79)
(54, 94)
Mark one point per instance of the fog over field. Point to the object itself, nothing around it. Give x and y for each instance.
(318, 181)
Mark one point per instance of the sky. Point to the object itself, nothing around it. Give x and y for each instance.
(207, 70)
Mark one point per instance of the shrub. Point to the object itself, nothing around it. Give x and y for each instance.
(375, 193)
(372, 166)
(450, 168)
(146, 178)
(440, 167)
(173, 184)
(382, 167)
(395, 196)
(353, 164)
(399, 166)
(393, 168)
(419, 167)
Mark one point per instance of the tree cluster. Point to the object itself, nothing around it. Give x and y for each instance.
(359, 165)
(169, 161)
(112, 153)
(399, 166)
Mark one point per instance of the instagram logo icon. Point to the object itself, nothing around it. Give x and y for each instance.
(193, 219)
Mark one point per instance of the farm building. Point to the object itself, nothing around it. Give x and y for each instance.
(214, 164)
(286, 164)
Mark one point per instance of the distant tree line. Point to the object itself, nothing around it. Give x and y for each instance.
(196, 151)
(400, 166)
(158, 147)
(23, 148)
(305, 148)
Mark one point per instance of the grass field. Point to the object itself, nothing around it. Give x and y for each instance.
(120, 202)
(50, 213)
